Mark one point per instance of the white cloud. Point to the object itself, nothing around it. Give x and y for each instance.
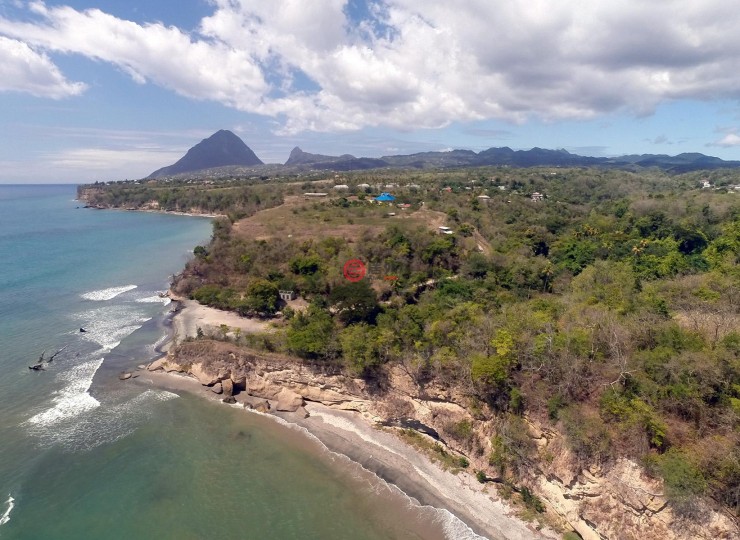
(24, 70)
(731, 139)
(167, 56)
(418, 64)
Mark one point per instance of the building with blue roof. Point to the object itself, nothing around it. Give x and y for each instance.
(385, 197)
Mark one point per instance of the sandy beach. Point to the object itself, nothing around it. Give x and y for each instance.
(376, 449)
(190, 315)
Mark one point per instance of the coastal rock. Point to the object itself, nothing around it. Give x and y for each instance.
(141, 366)
(261, 388)
(157, 364)
(262, 406)
(230, 400)
(124, 376)
(204, 375)
(289, 401)
(239, 380)
(172, 367)
(217, 388)
(228, 387)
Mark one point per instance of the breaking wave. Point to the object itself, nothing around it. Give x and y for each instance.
(6, 516)
(73, 399)
(107, 294)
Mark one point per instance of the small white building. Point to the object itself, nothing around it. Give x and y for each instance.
(287, 295)
(705, 184)
(363, 186)
(537, 196)
(484, 197)
(341, 187)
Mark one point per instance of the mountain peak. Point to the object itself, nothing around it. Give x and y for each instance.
(219, 150)
(299, 157)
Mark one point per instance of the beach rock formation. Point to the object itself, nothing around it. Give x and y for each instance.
(288, 401)
(217, 389)
(205, 375)
(614, 501)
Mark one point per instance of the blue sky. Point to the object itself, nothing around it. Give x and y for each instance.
(104, 90)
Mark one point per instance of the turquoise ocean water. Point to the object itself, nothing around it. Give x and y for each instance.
(84, 455)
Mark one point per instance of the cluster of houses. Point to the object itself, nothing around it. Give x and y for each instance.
(732, 188)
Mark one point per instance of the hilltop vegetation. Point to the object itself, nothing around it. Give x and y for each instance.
(610, 310)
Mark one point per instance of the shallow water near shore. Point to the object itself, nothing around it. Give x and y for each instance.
(84, 455)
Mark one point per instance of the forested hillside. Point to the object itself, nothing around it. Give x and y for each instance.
(610, 309)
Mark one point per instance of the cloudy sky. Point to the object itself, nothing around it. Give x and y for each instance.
(110, 90)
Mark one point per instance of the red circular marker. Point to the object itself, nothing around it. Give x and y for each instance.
(354, 270)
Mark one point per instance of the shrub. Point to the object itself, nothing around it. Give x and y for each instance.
(684, 482)
(462, 430)
(532, 501)
(554, 404)
(587, 436)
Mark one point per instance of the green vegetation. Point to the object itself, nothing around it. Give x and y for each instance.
(435, 451)
(610, 310)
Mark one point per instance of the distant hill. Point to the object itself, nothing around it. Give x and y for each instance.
(221, 149)
(536, 157)
(299, 157)
(226, 152)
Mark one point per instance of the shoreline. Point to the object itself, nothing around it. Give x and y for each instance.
(379, 451)
(89, 206)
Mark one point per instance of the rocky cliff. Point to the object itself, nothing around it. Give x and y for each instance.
(618, 501)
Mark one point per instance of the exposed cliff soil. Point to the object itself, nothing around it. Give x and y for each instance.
(615, 501)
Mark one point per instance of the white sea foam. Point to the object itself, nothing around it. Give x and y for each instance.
(454, 528)
(154, 300)
(107, 294)
(108, 424)
(107, 326)
(349, 426)
(6, 516)
(73, 399)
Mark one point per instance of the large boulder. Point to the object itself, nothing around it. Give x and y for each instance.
(289, 401)
(171, 367)
(217, 388)
(205, 376)
(228, 387)
(262, 406)
(157, 364)
(261, 388)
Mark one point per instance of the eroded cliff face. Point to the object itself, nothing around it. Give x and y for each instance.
(615, 502)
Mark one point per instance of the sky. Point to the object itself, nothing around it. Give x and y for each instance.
(111, 90)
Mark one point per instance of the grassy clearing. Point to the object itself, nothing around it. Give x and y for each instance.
(304, 219)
